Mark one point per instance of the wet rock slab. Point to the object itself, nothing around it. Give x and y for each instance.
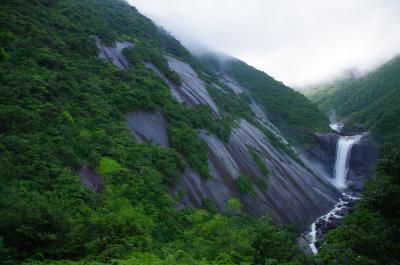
(174, 88)
(292, 195)
(90, 179)
(114, 52)
(192, 90)
(232, 84)
(148, 127)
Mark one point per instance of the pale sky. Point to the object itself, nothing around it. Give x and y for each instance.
(299, 42)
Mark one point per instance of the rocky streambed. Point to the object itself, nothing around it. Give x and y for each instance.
(329, 221)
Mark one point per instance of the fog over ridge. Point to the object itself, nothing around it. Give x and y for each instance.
(299, 42)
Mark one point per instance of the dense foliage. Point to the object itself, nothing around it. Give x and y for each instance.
(244, 185)
(372, 100)
(371, 235)
(62, 108)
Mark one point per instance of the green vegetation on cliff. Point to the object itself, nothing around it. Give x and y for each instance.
(371, 101)
(61, 108)
(292, 112)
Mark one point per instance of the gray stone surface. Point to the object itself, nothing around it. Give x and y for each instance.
(148, 127)
(114, 52)
(192, 90)
(90, 179)
(362, 162)
(232, 84)
(321, 159)
(293, 195)
(174, 88)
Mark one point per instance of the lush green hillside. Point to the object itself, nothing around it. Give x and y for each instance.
(62, 108)
(372, 100)
(291, 111)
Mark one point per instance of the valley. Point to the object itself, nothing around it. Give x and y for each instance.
(120, 146)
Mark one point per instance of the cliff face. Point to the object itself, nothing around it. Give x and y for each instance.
(362, 163)
(96, 147)
(292, 193)
(321, 158)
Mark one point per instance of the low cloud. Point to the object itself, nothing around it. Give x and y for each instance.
(297, 42)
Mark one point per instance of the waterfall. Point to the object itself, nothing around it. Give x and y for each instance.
(343, 151)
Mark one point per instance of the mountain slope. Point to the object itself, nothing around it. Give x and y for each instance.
(372, 100)
(296, 116)
(109, 127)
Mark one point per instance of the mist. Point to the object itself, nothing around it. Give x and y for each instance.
(297, 42)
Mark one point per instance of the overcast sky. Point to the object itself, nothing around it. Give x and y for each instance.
(299, 42)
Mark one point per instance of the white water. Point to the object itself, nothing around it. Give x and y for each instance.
(336, 126)
(343, 152)
(339, 206)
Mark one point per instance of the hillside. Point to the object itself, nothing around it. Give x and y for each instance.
(294, 115)
(372, 101)
(117, 146)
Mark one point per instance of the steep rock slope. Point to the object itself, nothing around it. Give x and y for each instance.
(76, 184)
(148, 127)
(114, 52)
(291, 194)
(290, 111)
(193, 89)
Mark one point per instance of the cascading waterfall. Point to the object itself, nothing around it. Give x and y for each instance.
(343, 151)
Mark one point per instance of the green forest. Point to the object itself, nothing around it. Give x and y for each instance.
(62, 108)
(370, 102)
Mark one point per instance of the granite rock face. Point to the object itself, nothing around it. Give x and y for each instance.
(148, 127)
(321, 157)
(192, 90)
(114, 52)
(292, 194)
(174, 88)
(362, 163)
(90, 179)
